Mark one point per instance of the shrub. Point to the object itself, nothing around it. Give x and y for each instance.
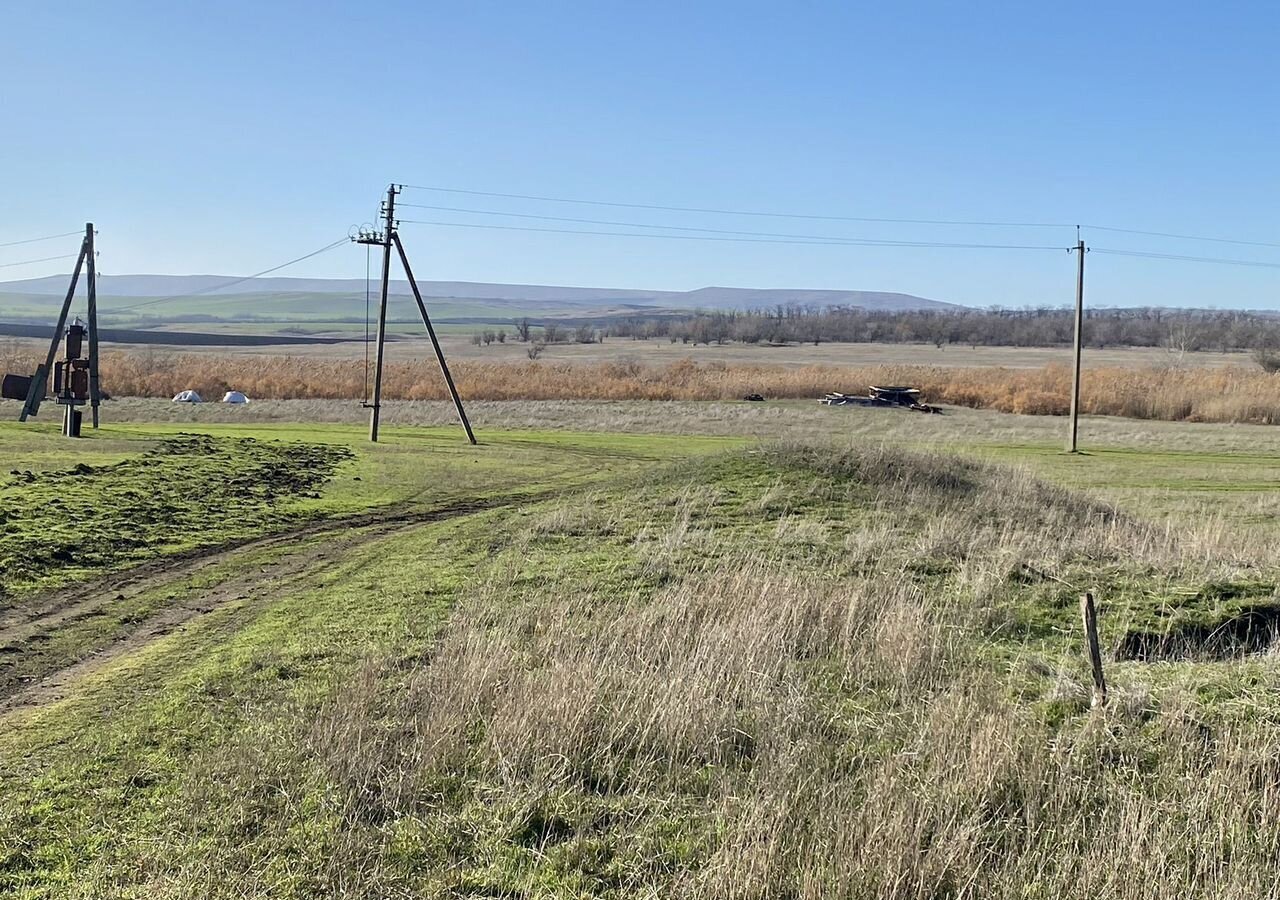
(1267, 358)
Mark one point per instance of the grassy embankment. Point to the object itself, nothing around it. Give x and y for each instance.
(777, 672)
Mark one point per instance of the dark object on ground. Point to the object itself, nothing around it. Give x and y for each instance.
(15, 387)
(908, 397)
(755, 397)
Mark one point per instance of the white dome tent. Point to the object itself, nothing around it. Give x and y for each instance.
(187, 397)
(234, 397)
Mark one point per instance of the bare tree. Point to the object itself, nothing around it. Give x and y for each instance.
(1182, 337)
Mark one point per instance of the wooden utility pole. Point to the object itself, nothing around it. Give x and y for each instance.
(385, 239)
(389, 220)
(95, 386)
(40, 381)
(1075, 379)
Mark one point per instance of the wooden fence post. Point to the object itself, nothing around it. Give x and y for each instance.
(1090, 617)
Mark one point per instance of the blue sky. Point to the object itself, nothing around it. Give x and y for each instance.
(228, 137)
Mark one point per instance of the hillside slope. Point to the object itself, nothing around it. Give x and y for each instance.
(157, 286)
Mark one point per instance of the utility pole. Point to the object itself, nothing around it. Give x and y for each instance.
(385, 239)
(95, 387)
(75, 377)
(40, 380)
(389, 220)
(1080, 251)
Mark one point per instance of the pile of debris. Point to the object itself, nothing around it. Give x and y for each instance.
(908, 397)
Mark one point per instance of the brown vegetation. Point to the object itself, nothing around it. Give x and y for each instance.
(1225, 394)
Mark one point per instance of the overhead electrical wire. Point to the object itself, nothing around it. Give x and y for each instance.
(826, 242)
(1142, 254)
(737, 212)
(27, 262)
(828, 218)
(818, 237)
(1183, 237)
(725, 235)
(47, 237)
(234, 281)
(708, 234)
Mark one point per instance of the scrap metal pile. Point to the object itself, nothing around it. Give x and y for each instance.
(907, 397)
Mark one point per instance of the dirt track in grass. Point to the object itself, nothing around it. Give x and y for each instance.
(268, 566)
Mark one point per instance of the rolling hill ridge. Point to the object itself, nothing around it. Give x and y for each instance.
(544, 296)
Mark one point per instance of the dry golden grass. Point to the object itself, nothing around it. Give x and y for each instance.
(1226, 394)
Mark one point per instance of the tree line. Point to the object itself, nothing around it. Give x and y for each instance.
(1176, 330)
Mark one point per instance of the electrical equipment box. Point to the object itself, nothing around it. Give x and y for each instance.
(71, 379)
(71, 374)
(15, 387)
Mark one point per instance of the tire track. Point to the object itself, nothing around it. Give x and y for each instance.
(60, 604)
(257, 583)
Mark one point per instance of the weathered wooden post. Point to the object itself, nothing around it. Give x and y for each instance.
(1090, 617)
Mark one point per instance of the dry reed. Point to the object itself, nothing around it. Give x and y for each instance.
(1224, 394)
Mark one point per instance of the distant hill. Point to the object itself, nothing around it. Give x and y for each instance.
(541, 296)
(756, 298)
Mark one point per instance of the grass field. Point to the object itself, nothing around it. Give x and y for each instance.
(285, 309)
(635, 649)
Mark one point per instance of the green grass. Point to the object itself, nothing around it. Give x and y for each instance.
(205, 762)
(130, 493)
(299, 309)
(185, 491)
(140, 493)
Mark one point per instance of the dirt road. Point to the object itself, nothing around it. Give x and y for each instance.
(247, 575)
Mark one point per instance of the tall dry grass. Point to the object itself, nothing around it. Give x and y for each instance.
(1226, 394)
(758, 730)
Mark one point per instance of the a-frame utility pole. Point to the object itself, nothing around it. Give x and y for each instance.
(388, 236)
(38, 387)
(1080, 251)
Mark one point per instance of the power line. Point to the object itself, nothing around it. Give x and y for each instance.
(27, 262)
(1183, 237)
(1251, 263)
(47, 237)
(234, 281)
(738, 212)
(850, 242)
(833, 218)
(770, 234)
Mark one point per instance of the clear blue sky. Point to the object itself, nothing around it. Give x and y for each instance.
(227, 137)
